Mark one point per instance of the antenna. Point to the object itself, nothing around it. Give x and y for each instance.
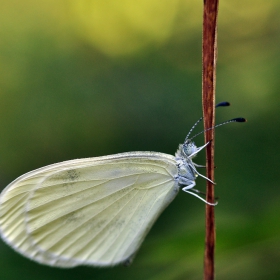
(221, 104)
(229, 121)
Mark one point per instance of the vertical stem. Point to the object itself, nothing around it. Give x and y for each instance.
(209, 46)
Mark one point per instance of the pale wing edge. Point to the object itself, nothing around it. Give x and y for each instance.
(77, 162)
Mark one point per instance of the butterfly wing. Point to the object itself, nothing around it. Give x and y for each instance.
(93, 211)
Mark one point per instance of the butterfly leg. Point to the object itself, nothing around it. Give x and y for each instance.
(201, 166)
(198, 165)
(190, 186)
(189, 189)
(202, 175)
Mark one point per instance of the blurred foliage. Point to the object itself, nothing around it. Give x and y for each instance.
(88, 78)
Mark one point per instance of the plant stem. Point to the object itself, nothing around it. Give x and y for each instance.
(209, 51)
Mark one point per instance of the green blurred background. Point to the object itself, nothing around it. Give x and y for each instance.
(87, 78)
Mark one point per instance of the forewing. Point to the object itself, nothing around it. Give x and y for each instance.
(93, 211)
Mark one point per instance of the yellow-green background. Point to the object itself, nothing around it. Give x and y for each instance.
(88, 78)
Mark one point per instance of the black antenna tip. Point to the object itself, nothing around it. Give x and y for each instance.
(223, 104)
(239, 120)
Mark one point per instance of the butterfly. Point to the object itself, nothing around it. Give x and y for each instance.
(94, 211)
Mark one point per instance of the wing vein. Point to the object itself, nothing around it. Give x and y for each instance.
(129, 221)
(79, 191)
(100, 231)
(69, 232)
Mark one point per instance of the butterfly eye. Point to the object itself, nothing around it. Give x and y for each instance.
(189, 148)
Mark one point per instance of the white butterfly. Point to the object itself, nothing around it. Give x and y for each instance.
(94, 211)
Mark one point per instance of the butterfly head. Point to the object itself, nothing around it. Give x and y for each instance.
(187, 150)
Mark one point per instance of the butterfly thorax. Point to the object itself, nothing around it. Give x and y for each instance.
(186, 169)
